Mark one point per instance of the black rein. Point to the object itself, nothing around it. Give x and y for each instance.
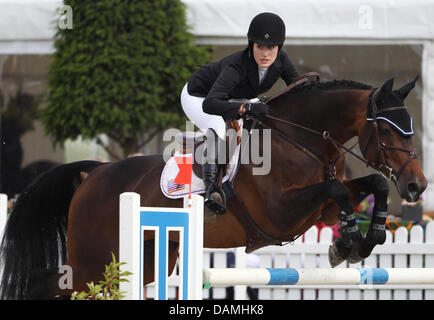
(381, 162)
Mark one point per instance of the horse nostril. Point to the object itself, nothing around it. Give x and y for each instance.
(413, 191)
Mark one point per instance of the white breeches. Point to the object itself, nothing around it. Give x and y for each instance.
(193, 110)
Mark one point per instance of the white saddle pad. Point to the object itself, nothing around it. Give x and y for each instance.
(175, 191)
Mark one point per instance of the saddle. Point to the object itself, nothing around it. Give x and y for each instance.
(193, 143)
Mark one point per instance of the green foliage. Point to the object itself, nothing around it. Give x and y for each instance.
(107, 289)
(120, 71)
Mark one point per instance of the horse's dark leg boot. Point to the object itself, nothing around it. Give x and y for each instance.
(214, 197)
(347, 246)
(377, 229)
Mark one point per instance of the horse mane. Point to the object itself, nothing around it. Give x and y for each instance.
(332, 85)
(328, 85)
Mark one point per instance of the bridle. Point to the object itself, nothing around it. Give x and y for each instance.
(381, 163)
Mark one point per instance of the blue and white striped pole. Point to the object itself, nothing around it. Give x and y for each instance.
(320, 276)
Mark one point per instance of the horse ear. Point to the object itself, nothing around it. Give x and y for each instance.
(405, 90)
(387, 86)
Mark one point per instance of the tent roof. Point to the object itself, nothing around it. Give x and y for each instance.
(385, 19)
(28, 26)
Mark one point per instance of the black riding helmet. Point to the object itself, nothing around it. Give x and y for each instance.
(266, 29)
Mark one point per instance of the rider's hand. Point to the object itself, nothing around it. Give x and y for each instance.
(256, 110)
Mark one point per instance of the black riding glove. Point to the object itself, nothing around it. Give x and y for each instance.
(257, 110)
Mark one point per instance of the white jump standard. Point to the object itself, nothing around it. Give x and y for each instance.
(133, 220)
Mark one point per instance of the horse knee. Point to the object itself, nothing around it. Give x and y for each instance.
(379, 185)
(340, 193)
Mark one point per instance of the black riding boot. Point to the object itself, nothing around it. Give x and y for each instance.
(215, 198)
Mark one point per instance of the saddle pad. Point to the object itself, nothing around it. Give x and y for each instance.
(174, 191)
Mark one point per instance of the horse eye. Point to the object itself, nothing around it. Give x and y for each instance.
(385, 130)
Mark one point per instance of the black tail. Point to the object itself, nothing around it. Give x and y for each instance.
(34, 239)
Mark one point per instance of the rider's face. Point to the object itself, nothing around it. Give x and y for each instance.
(264, 55)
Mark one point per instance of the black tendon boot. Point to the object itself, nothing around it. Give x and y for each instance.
(215, 198)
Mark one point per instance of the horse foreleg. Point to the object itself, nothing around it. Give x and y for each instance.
(310, 198)
(378, 186)
(344, 247)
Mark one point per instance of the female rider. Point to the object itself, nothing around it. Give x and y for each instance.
(242, 75)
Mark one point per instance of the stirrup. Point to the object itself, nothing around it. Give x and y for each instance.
(218, 206)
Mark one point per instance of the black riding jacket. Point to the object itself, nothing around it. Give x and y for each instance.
(236, 76)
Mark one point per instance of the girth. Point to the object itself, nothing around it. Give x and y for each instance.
(256, 238)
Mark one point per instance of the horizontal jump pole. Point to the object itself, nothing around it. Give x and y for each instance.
(319, 276)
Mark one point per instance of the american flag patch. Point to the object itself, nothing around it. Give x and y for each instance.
(173, 187)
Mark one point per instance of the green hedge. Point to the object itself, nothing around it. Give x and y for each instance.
(120, 71)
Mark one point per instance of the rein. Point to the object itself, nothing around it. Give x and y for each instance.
(331, 166)
(381, 161)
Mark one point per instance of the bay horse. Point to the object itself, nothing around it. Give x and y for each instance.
(64, 219)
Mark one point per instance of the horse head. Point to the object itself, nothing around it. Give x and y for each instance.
(386, 140)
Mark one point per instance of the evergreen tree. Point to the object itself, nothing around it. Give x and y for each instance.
(120, 71)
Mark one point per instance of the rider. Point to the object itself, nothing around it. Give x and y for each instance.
(242, 75)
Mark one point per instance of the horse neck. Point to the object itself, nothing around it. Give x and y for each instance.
(341, 113)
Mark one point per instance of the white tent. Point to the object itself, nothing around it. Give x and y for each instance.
(28, 26)
(226, 21)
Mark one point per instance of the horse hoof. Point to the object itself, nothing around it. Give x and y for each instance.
(365, 249)
(335, 258)
(354, 256)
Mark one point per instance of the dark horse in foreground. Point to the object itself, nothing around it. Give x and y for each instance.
(58, 221)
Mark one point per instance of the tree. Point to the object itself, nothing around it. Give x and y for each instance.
(120, 71)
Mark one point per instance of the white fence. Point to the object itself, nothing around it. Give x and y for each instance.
(402, 250)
